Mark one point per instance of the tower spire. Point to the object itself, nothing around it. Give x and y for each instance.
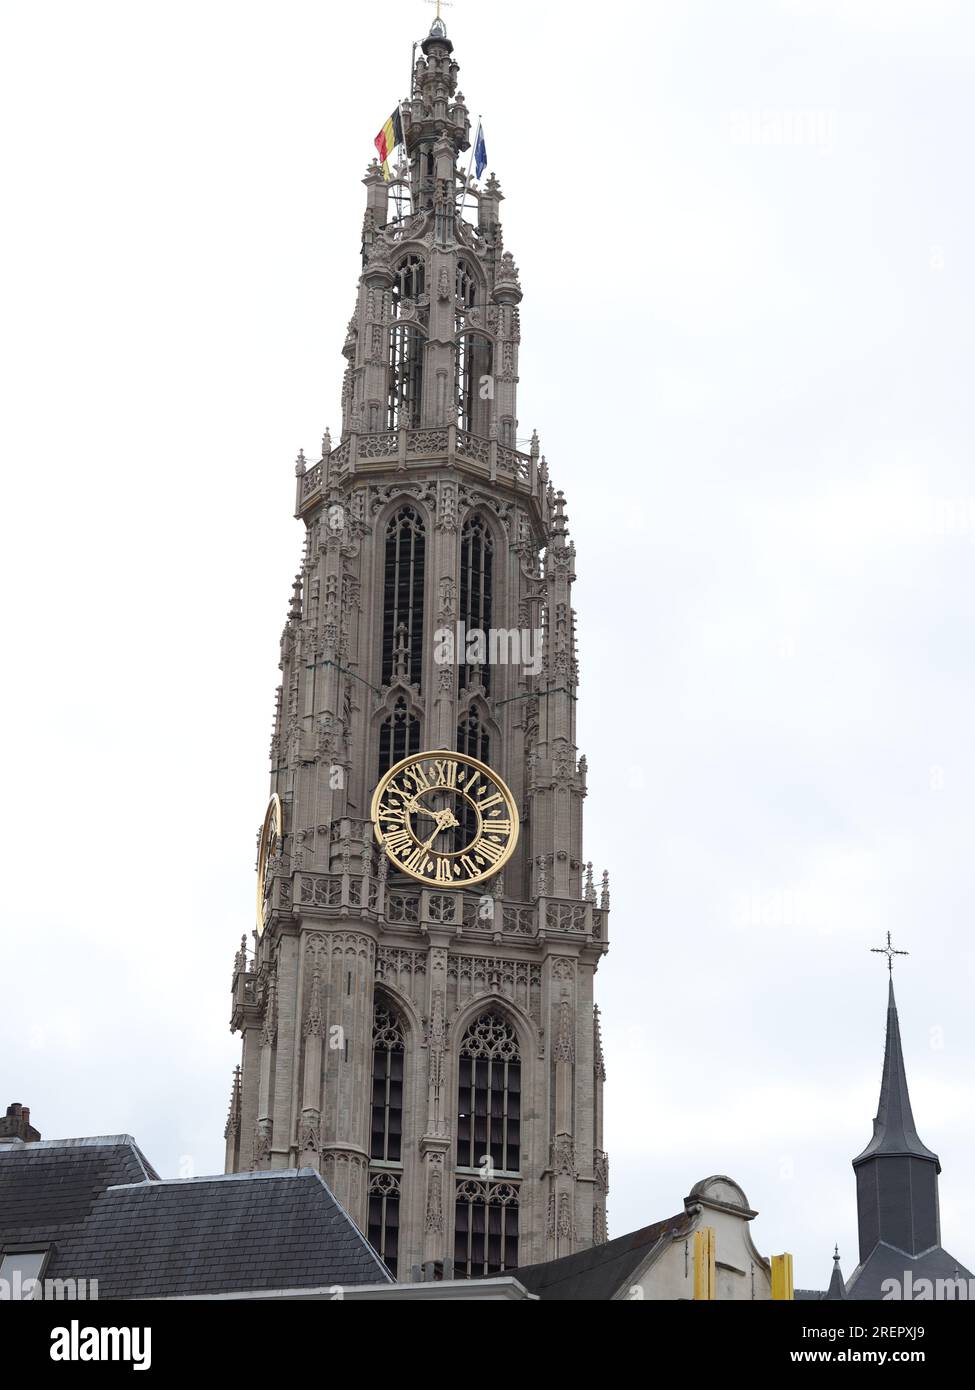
(423, 520)
(894, 1130)
(897, 1175)
(837, 1289)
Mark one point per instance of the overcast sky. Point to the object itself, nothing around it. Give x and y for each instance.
(744, 234)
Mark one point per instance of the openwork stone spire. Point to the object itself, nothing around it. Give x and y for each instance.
(432, 612)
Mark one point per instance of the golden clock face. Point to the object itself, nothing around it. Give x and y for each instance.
(445, 818)
(271, 833)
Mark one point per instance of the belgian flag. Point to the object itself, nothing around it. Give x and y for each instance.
(388, 138)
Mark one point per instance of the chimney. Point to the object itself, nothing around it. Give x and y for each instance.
(16, 1125)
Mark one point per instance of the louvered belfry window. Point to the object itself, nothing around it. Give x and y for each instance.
(406, 347)
(399, 736)
(403, 586)
(476, 590)
(386, 1140)
(388, 1051)
(489, 1142)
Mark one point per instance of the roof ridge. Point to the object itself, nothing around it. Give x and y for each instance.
(263, 1173)
(362, 1239)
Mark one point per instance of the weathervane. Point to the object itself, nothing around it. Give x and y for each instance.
(889, 952)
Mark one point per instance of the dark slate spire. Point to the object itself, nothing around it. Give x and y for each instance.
(894, 1131)
(837, 1289)
(897, 1175)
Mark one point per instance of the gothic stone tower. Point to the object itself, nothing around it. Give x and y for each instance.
(434, 1052)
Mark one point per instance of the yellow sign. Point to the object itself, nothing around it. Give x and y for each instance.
(704, 1263)
(782, 1287)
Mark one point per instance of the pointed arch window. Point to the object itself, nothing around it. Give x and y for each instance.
(399, 736)
(489, 1099)
(406, 346)
(403, 585)
(489, 1141)
(404, 400)
(465, 290)
(409, 282)
(476, 589)
(472, 737)
(388, 1050)
(386, 1140)
(473, 385)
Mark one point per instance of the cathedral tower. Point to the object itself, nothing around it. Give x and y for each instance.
(431, 1046)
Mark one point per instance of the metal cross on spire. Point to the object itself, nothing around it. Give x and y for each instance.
(447, 4)
(889, 952)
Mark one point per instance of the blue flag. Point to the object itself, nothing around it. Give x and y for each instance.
(480, 152)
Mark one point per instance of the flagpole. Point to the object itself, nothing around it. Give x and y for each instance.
(397, 191)
(470, 166)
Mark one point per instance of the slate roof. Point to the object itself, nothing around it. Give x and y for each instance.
(113, 1220)
(598, 1274)
(48, 1189)
(894, 1130)
(887, 1262)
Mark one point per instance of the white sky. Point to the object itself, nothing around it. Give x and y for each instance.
(744, 233)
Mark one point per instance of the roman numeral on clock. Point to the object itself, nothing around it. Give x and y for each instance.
(398, 842)
(492, 853)
(417, 861)
(446, 772)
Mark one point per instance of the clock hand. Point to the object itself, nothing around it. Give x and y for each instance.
(446, 820)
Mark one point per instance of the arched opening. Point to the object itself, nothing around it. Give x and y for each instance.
(403, 586)
(476, 593)
(386, 1138)
(399, 736)
(488, 1142)
(406, 346)
(474, 383)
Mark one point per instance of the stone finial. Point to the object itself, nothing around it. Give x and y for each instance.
(301, 464)
(559, 520)
(535, 445)
(508, 272)
(401, 653)
(295, 609)
(326, 443)
(507, 287)
(590, 886)
(604, 895)
(542, 876)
